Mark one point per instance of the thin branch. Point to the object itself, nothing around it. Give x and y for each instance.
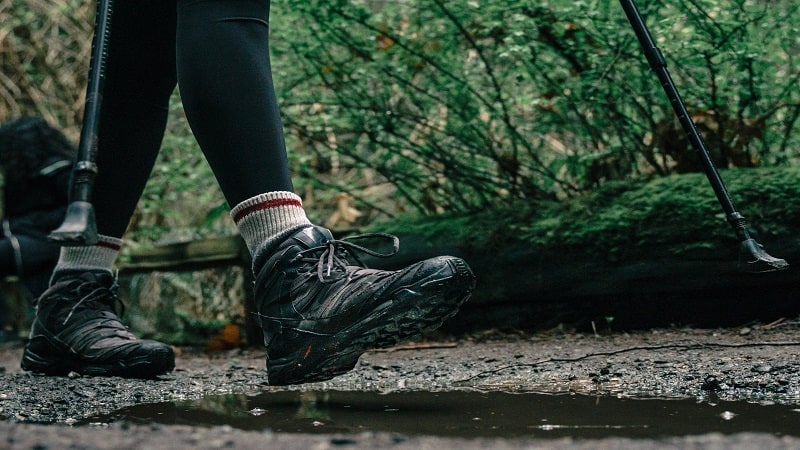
(627, 350)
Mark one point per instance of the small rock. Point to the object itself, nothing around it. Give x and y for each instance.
(257, 411)
(762, 369)
(711, 383)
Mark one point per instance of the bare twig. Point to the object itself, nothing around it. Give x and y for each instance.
(627, 350)
(418, 346)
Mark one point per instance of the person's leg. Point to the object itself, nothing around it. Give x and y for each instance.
(226, 87)
(140, 78)
(318, 313)
(225, 79)
(36, 256)
(76, 327)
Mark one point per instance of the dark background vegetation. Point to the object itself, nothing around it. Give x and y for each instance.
(429, 106)
(537, 119)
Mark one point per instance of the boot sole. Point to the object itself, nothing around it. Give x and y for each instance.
(157, 362)
(411, 311)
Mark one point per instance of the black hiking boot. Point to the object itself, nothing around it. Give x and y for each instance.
(319, 313)
(76, 329)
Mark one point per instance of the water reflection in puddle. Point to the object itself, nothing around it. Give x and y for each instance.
(465, 414)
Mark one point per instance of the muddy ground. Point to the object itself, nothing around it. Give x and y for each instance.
(759, 363)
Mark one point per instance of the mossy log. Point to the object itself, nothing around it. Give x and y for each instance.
(627, 256)
(630, 255)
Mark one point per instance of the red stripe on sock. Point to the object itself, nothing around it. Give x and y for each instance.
(110, 245)
(267, 205)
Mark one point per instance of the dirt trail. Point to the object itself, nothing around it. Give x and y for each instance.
(754, 363)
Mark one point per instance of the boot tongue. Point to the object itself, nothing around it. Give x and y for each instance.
(310, 237)
(102, 277)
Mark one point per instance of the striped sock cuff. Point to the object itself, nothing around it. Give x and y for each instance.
(100, 256)
(266, 218)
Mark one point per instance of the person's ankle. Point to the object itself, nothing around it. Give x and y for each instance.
(262, 254)
(67, 274)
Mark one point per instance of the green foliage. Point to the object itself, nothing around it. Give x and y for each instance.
(460, 105)
(182, 200)
(44, 49)
(445, 107)
(184, 308)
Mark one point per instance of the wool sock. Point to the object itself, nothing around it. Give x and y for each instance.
(266, 220)
(98, 257)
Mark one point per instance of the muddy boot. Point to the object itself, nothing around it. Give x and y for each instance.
(76, 329)
(319, 313)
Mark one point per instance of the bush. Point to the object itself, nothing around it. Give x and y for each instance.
(452, 107)
(460, 105)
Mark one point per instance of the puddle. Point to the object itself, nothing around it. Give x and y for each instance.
(464, 414)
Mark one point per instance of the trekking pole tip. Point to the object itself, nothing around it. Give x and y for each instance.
(79, 227)
(753, 258)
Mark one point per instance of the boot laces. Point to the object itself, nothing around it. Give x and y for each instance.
(95, 292)
(332, 257)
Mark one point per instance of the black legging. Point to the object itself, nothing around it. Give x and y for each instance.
(38, 259)
(37, 256)
(217, 53)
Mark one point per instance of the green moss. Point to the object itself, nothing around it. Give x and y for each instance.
(679, 213)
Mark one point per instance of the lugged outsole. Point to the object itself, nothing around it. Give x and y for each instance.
(157, 363)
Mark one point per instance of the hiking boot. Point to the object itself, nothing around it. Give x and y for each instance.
(76, 329)
(319, 313)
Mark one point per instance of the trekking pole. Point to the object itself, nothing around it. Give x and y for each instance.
(79, 226)
(752, 256)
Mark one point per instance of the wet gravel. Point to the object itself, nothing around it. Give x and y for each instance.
(756, 363)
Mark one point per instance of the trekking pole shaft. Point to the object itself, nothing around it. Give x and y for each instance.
(87, 148)
(79, 227)
(659, 65)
